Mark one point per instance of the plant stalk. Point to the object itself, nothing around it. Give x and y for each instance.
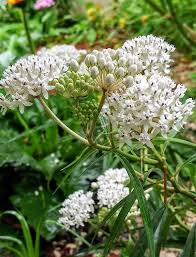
(27, 31)
(90, 133)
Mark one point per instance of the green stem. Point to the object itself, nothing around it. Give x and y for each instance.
(90, 133)
(85, 141)
(135, 157)
(26, 27)
(60, 123)
(22, 121)
(165, 172)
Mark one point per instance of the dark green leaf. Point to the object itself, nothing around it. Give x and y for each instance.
(141, 244)
(162, 230)
(190, 246)
(142, 203)
(129, 201)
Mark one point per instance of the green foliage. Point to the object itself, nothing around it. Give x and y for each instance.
(40, 165)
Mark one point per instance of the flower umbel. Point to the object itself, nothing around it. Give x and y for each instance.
(28, 78)
(153, 52)
(150, 105)
(76, 209)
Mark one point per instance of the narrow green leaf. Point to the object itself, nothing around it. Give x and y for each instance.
(142, 243)
(25, 230)
(37, 240)
(162, 230)
(190, 246)
(17, 241)
(192, 158)
(109, 215)
(142, 203)
(130, 199)
(176, 140)
(11, 249)
(83, 156)
(86, 153)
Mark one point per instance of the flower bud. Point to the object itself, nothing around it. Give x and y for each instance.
(94, 72)
(60, 87)
(101, 62)
(109, 79)
(120, 72)
(128, 81)
(92, 59)
(132, 69)
(110, 67)
(122, 61)
(74, 65)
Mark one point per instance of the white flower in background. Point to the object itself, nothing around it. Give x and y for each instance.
(110, 187)
(28, 78)
(64, 52)
(109, 194)
(76, 209)
(153, 52)
(114, 176)
(150, 105)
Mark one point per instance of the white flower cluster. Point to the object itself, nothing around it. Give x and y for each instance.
(149, 102)
(153, 52)
(28, 78)
(64, 52)
(111, 187)
(149, 106)
(77, 209)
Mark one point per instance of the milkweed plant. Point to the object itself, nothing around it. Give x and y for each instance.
(125, 100)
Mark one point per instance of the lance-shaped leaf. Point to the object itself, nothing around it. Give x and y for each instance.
(190, 246)
(130, 199)
(141, 201)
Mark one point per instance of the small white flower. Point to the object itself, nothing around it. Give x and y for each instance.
(76, 209)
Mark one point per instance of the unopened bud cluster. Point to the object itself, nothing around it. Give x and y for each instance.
(74, 85)
(86, 111)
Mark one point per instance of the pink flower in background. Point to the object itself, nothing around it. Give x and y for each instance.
(40, 4)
